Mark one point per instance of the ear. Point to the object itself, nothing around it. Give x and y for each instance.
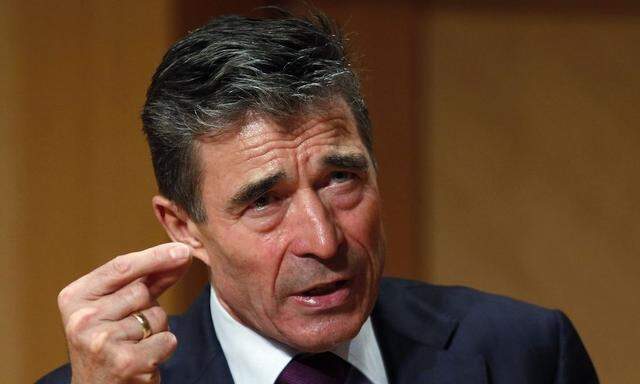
(179, 226)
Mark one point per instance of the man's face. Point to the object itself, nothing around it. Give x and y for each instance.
(293, 235)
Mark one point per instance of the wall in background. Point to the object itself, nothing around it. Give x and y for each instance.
(12, 352)
(78, 183)
(506, 139)
(531, 165)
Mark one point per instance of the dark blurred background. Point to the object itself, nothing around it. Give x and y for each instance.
(507, 137)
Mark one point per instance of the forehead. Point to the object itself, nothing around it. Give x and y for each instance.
(329, 119)
(261, 143)
(323, 114)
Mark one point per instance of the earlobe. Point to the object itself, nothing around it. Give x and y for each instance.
(199, 251)
(179, 226)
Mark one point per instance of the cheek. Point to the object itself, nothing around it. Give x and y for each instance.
(362, 223)
(251, 262)
(363, 226)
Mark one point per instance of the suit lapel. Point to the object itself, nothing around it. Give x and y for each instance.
(413, 339)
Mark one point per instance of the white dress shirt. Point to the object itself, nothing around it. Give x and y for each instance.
(255, 359)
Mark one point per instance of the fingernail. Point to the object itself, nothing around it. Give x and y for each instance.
(179, 252)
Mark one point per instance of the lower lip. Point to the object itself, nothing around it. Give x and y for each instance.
(330, 300)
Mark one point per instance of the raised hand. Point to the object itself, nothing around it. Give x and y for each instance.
(107, 344)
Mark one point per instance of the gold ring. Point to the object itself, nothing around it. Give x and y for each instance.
(144, 323)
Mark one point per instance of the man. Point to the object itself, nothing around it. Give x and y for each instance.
(261, 145)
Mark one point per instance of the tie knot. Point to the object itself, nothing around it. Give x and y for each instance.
(319, 368)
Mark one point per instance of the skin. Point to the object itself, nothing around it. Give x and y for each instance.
(315, 219)
(291, 206)
(104, 341)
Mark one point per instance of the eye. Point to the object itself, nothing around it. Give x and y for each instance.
(341, 177)
(263, 202)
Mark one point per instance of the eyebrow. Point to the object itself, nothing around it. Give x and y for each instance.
(254, 189)
(354, 161)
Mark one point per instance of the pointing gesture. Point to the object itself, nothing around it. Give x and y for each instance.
(115, 329)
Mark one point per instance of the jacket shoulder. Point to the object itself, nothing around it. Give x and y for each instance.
(467, 304)
(61, 375)
(514, 337)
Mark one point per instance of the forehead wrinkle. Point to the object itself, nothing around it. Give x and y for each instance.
(253, 131)
(275, 151)
(266, 146)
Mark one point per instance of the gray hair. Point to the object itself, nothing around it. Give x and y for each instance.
(234, 66)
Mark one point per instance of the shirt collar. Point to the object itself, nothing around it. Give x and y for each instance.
(255, 359)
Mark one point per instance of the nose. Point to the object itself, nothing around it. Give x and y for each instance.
(314, 230)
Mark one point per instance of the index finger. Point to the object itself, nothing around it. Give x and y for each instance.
(124, 269)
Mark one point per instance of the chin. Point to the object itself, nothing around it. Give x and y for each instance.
(324, 334)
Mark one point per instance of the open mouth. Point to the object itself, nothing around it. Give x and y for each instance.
(325, 289)
(325, 296)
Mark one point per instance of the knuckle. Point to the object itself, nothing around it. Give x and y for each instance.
(98, 342)
(65, 297)
(137, 293)
(78, 322)
(120, 265)
(157, 254)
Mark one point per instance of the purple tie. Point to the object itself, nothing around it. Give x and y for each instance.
(320, 368)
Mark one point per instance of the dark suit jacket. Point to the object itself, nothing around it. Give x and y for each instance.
(427, 334)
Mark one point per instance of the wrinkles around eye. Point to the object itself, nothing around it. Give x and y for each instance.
(263, 203)
(342, 177)
(338, 182)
